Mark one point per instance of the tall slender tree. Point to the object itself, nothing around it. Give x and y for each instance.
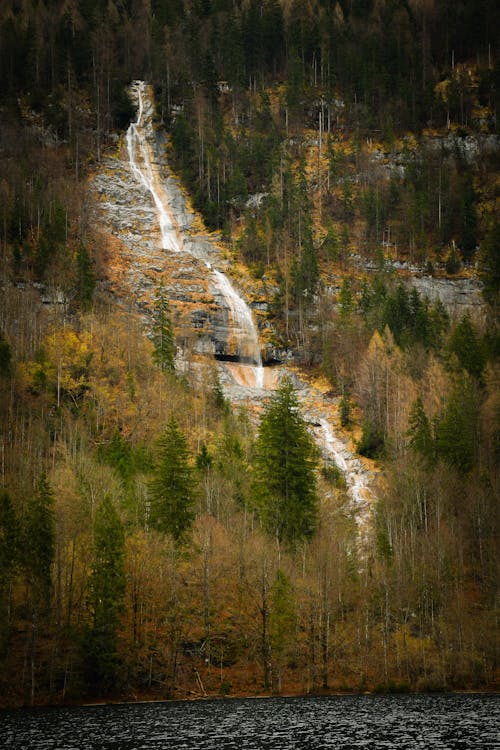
(173, 485)
(163, 335)
(9, 552)
(105, 599)
(284, 485)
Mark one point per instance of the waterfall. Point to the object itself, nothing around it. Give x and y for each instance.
(248, 341)
(351, 467)
(141, 166)
(136, 140)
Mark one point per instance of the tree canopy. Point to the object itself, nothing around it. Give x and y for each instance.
(284, 483)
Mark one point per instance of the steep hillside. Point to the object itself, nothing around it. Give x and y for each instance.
(167, 527)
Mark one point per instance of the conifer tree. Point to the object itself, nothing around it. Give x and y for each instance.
(172, 487)
(467, 347)
(85, 278)
(457, 428)
(163, 335)
(39, 540)
(105, 598)
(9, 552)
(284, 486)
(419, 431)
(490, 265)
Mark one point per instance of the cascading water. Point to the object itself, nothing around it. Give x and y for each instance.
(248, 342)
(136, 140)
(351, 467)
(141, 167)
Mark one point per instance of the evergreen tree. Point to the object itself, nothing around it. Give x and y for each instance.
(419, 431)
(39, 540)
(172, 487)
(465, 344)
(490, 265)
(9, 553)
(284, 486)
(105, 599)
(345, 410)
(163, 335)
(457, 428)
(85, 277)
(346, 302)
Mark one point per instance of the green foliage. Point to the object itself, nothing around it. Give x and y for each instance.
(465, 344)
(10, 537)
(219, 399)
(204, 459)
(172, 487)
(85, 278)
(346, 301)
(420, 437)
(411, 318)
(284, 484)
(163, 334)
(105, 600)
(490, 265)
(39, 539)
(345, 410)
(334, 476)
(457, 426)
(372, 442)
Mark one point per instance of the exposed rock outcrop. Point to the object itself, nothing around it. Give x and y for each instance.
(459, 296)
(155, 240)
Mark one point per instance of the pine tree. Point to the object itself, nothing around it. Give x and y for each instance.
(467, 347)
(419, 431)
(9, 553)
(284, 487)
(490, 265)
(39, 540)
(457, 428)
(105, 598)
(163, 335)
(173, 485)
(85, 278)
(346, 302)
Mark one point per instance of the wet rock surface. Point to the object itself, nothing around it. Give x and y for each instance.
(137, 263)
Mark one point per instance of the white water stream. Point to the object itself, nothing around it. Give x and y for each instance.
(357, 479)
(138, 152)
(141, 166)
(248, 340)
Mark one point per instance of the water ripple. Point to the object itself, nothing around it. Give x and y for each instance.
(444, 722)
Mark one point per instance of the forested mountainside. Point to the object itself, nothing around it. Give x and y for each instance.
(157, 539)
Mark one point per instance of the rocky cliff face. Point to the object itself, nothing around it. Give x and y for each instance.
(459, 296)
(139, 258)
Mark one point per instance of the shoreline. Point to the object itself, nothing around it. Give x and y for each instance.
(243, 696)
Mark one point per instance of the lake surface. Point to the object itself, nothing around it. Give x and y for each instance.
(440, 722)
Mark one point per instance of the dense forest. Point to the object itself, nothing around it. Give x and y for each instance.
(157, 540)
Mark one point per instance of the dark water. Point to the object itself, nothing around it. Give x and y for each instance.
(389, 722)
